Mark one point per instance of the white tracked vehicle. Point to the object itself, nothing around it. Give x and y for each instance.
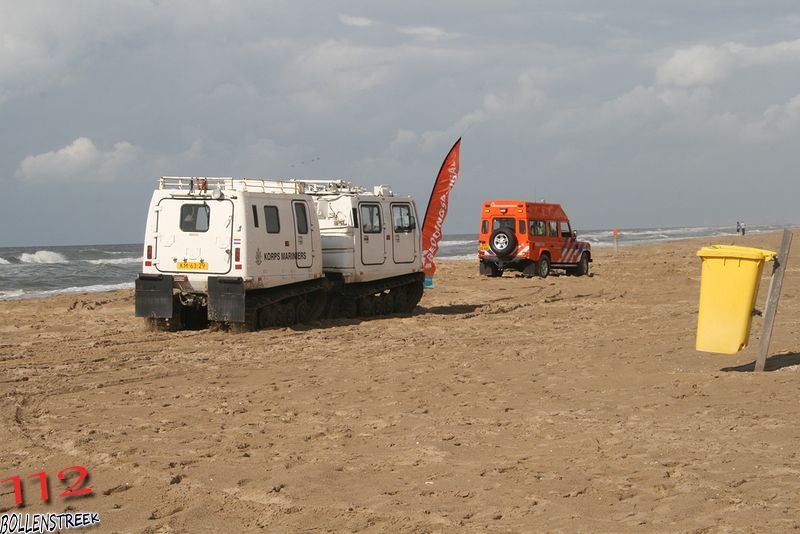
(273, 253)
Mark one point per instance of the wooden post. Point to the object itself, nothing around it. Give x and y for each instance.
(773, 295)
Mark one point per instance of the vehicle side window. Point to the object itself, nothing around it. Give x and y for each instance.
(565, 230)
(402, 218)
(484, 226)
(301, 218)
(273, 221)
(538, 228)
(553, 227)
(195, 217)
(503, 222)
(255, 215)
(371, 219)
(522, 226)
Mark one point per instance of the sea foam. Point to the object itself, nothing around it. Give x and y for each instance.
(43, 256)
(17, 294)
(458, 242)
(116, 261)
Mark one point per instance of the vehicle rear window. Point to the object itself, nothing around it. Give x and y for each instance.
(195, 217)
(484, 226)
(522, 226)
(504, 222)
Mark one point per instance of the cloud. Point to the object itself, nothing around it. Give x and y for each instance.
(638, 109)
(696, 66)
(23, 62)
(427, 33)
(43, 44)
(524, 96)
(325, 75)
(776, 122)
(80, 161)
(781, 52)
(343, 68)
(704, 65)
(207, 155)
(358, 22)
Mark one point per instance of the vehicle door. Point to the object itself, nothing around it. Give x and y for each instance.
(509, 223)
(537, 234)
(194, 235)
(303, 244)
(569, 249)
(373, 244)
(404, 233)
(554, 241)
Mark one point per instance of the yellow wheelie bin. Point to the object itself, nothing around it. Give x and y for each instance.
(728, 288)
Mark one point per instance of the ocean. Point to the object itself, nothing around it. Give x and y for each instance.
(30, 272)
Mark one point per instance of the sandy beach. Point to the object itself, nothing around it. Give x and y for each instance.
(565, 404)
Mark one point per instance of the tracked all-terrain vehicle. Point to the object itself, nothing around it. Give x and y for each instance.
(264, 253)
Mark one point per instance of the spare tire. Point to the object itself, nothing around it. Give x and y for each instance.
(503, 241)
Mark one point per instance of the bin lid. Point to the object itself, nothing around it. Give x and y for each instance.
(734, 251)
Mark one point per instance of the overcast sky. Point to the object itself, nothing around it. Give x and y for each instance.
(630, 113)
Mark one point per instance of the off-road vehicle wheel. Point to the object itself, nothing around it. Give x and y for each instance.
(582, 269)
(530, 270)
(543, 267)
(490, 269)
(503, 241)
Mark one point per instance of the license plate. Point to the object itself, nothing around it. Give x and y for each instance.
(483, 246)
(193, 265)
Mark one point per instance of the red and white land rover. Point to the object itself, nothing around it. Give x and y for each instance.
(531, 237)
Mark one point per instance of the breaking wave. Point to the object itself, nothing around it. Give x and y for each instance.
(101, 251)
(460, 257)
(18, 293)
(116, 261)
(456, 243)
(43, 256)
(4, 261)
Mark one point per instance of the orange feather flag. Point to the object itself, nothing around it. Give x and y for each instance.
(437, 210)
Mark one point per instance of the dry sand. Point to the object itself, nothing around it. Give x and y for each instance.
(571, 404)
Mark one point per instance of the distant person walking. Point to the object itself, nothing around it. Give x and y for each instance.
(738, 227)
(743, 228)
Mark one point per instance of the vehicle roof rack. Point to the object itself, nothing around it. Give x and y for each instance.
(322, 187)
(209, 183)
(201, 184)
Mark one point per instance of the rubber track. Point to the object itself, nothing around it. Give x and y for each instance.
(370, 288)
(255, 301)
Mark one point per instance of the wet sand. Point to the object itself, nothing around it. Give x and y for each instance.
(566, 404)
